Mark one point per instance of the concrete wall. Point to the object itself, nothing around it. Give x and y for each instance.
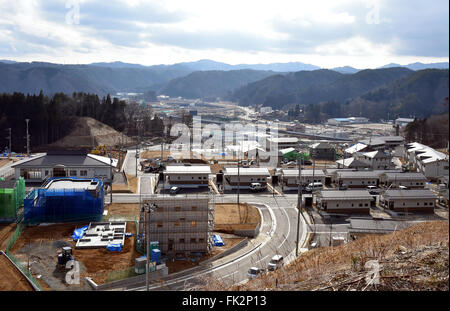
(345, 206)
(358, 183)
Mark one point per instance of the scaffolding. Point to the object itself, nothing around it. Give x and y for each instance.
(182, 225)
(12, 194)
(64, 205)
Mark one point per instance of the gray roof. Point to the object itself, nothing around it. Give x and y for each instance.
(66, 160)
(247, 171)
(321, 145)
(381, 140)
(294, 172)
(357, 174)
(405, 176)
(345, 195)
(409, 194)
(379, 225)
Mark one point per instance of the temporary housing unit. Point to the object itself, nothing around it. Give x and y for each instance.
(410, 180)
(349, 201)
(12, 193)
(187, 176)
(382, 142)
(357, 179)
(322, 151)
(427, 160)
(244, 177)
(376, 160)
(181, 225)
(289, 178)
(65, 164)
(416, 200)
(352, 163)
(358, 147)
(65, 200)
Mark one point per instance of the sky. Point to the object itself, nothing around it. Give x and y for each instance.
(325, 33)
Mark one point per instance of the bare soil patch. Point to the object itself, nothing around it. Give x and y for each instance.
(11, 279)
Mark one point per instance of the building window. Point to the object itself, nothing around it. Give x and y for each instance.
(337, 205)
(182, 219)
(360, 205)
(83, 173)
(366, 204)
(201, 240)
(73, 173)
(194, 208)
(193, 224)
(181, 240)
(46, 173)
(159, 224)
(177, 208)
(426, 203)
(193, 240)
(176, 224)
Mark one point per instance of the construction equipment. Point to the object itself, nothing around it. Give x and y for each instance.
(100, 150)
(64, 257)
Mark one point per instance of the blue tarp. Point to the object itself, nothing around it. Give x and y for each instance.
(114, 247)
(128, 235)
(218, 240)
(78, 233)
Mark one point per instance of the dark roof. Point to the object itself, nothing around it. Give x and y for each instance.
(66, 160)
(409, 194)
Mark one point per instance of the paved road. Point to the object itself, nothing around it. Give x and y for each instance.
(277, 236)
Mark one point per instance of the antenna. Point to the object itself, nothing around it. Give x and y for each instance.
(28, 139)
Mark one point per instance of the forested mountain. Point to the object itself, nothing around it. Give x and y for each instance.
(203, 84)
(418, 94)
(53, 78)
(310, 87)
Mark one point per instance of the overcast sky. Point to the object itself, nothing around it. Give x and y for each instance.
(362, 34)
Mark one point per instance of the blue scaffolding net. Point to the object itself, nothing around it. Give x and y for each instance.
(64, 205)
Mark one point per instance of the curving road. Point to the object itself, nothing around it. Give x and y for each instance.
(277, 236)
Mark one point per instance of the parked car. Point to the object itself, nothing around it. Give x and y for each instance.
(256, 186)
(314, 186)
(343, 187)
(275, 263)
(373, 190)
(307, 162)
(174, 190)
(254, 272)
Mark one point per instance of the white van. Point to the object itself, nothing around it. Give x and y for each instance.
(314, 186)
(256, 186)
(275, 263)
(254, 272)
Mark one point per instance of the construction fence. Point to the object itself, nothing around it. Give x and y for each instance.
(11, 199)
(9, 245)
(63, 205)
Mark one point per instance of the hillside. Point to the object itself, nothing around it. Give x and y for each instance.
(420, 94)
(309, 87)
(100, 80)
(201, 84)
(88, 133)
(416, 258)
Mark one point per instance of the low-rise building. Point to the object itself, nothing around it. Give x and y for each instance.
(349, 201)
(430, 162)
(322, 151)
(65, 164)
(186, 176)
(417, 200)
(376, 160)
(382, 142)
(352, 163)
(289, 178)
(410, 180)
(281, 143)
(357, 179)
(244, 177)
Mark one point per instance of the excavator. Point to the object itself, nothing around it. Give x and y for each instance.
(100, 150)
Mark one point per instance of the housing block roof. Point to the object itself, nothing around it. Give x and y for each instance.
(52, 160)
(357, 174)
(191, 169)
(405, 176)
(345, 195)
(409, 194)
(294, 172)
(247, 171)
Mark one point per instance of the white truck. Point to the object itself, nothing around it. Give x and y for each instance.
(256, 186)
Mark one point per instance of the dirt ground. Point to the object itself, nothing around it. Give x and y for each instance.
(42, 244)
(11, 279)
(133, 182)
(230, 214)
(6, 230)
(123, 209)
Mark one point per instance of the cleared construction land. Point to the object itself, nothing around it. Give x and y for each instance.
(11, 279)
(40, 245)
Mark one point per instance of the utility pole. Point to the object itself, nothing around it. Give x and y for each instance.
(28, 139)
(314, 188)
(9, 137)
(149, 208)
(299, 203)
(111, 175)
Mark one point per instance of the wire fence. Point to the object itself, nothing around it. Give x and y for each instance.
(16, 261)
